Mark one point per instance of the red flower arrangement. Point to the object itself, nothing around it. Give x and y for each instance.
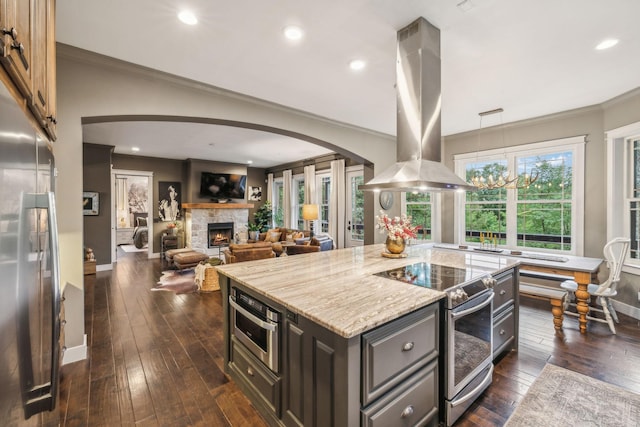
(398, 227)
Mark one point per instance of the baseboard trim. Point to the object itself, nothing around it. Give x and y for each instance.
(627, 309)
(104, 267)
(75, 354)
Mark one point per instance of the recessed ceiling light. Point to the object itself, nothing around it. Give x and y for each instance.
(135, 149)
(292, 32)
(249, 162)
(357, 64)
(606, 44)
(188, 17)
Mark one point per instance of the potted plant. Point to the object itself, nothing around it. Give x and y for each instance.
(263, 217)
(254, 231)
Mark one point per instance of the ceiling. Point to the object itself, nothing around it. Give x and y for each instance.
(531, 58)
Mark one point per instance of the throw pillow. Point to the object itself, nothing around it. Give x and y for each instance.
(273, 237)
(298, 235)
(290, 237)
(141, 222)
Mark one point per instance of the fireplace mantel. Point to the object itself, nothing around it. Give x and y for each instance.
(217, 205)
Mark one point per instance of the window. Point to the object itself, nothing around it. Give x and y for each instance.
(298, 201)
(278, 202)
(355, 206)
(633, 196)
(422, 209)
(623, 190)
(545, 216)
(323, 186)
(544, 208)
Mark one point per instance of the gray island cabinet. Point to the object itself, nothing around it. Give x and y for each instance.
(320, 340)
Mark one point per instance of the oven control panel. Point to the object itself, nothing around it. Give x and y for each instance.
(254, 306)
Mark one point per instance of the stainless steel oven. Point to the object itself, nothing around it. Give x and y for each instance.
(469, 352)
(257, 326)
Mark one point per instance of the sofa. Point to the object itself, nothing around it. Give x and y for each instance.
(303, 242)
(317, 243)
(239, 252)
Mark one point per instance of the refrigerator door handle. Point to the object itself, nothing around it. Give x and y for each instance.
(42, 397)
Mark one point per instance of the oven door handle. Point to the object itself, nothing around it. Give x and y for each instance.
(473, 393)
(473, 309)
(258, 321)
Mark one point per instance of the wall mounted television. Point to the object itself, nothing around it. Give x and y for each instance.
(222, 186)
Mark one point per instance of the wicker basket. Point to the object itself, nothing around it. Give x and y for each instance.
(207, 276)
(210, 282)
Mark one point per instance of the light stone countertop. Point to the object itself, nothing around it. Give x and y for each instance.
(338, 290)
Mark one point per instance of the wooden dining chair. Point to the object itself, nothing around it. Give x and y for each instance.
(615, 253)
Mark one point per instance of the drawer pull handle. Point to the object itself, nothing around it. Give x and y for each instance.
(502, 292)
(502, 331)
(408, 411)
(408, 346)
(250, 371)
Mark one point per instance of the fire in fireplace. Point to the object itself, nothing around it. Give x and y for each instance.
(220, 233)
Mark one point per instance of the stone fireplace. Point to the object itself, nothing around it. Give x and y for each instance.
(199, 216)
(220, 233)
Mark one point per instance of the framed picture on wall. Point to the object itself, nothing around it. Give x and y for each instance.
(169, 200)
(255, 194)
(90, 203)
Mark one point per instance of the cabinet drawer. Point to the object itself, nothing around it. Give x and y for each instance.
(503, 289)
(503, 330)
(264, 383)
(411, 404)
(393, 352)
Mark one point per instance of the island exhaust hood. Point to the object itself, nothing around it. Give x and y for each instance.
(418, 166)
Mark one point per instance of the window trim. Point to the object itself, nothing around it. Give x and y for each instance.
(576, 144)
(618, 169)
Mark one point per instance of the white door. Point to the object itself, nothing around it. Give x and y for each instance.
(131, 202)
(354, 233)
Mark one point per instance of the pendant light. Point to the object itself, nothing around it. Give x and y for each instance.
(502, 180)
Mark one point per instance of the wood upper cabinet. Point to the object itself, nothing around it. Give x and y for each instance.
(27, 53)
(44, 83)
(16, 47)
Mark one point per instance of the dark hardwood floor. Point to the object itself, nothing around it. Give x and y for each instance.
(156, 358)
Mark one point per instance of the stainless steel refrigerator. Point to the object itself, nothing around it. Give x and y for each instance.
(29, 273)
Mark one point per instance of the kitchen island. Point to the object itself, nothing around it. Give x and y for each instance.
(338, 325)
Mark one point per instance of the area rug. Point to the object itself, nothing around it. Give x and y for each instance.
(559, 397)
(132, 248)
(178, 281)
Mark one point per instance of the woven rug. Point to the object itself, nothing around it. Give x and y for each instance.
(559, 397)
(178, 281)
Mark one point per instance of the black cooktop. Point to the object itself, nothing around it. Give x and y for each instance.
(434, 276)
(459, 283)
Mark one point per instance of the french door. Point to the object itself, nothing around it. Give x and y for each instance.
(354, 233)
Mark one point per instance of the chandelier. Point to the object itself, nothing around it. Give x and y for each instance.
(503, 179)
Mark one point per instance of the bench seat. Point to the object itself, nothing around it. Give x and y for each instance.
(188, 259)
